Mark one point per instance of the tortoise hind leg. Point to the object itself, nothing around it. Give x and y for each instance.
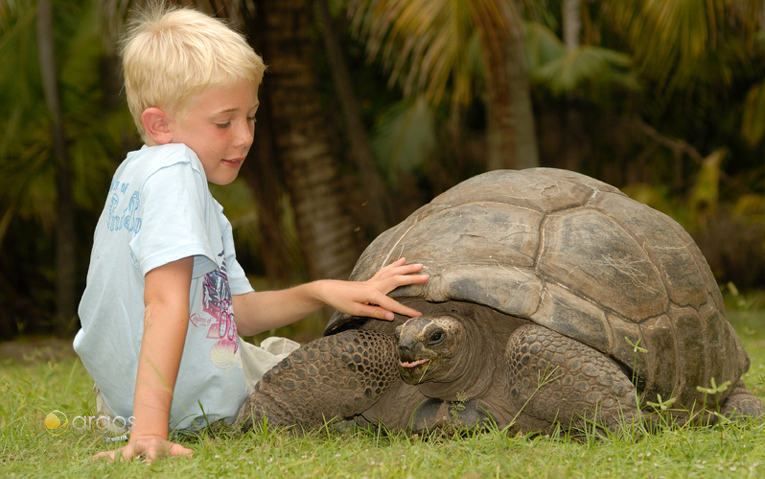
(553, 378)
(333, 377)
(741, 403)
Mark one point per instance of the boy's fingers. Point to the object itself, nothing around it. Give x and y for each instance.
(406, 311)
(408, 267)
(413, 278)
(380, 313)
(178, 450)
(149, 453)
(403, 280)
(398, 267)
(399, 262)
(154, 451)
(126, 454)
(391, 305)
(407, 270)
(112, 455)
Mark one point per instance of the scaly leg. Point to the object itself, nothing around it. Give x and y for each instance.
(741, 402)
(556, 379)
(334, 377)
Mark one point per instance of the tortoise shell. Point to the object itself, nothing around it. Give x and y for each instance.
(578, 256)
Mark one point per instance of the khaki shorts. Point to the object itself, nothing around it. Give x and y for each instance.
(256, 360)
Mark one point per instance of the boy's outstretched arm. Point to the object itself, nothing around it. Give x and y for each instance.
(165, 323)
(261, 311)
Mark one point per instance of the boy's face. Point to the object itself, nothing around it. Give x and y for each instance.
(219, 127)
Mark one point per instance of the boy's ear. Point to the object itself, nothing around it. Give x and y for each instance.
(156, 124)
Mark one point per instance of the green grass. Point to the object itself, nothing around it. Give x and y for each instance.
(29, 392)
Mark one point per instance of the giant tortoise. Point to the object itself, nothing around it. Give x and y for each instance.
(553, 298)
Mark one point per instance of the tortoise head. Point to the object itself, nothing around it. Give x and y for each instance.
(432, 349)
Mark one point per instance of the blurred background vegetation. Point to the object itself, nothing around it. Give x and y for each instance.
(372, 107)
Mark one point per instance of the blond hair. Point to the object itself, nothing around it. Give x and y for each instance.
(171, 54)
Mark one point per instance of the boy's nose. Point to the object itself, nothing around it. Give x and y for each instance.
(244, 135)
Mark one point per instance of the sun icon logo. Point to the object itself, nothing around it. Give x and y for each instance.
(56, 423)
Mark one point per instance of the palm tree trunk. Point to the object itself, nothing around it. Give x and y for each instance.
(311, 173)
(573, 133)
(65, 234)
(261, 171)
(511, 134)
(375, 194)
(572, 23)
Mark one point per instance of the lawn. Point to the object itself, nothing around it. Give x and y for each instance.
(29, 391)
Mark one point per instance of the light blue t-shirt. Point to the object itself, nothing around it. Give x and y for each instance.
(159, 209)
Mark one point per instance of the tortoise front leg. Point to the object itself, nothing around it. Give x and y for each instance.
(333, 377)
(742, 403)
(553, 378)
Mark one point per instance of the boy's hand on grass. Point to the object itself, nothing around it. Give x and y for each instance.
(370, 298)
(148, 448)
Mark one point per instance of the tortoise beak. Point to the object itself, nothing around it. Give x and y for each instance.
(408, 349)
(412, 353)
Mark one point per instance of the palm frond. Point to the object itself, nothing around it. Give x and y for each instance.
(753, 127)
(676, 43)
(404, 136)
(586, 64)
(95, 134)
(422, 43)
(542, 46)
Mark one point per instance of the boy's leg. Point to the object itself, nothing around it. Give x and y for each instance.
(257, 360)
(105, 420)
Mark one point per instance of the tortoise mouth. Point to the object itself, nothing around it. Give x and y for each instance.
(413, 364)
(417, 371)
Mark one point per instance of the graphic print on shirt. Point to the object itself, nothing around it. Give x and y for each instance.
(218, 315)
(128, 219)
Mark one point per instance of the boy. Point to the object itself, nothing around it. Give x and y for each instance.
(158, 333)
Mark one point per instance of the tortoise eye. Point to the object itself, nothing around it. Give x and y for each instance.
(436, 337)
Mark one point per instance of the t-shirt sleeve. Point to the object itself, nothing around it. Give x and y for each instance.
(174, 222)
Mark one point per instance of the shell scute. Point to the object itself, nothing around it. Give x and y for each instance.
(626, 345)
(568, 314)
(676, 256)
(504, 234)
(661, 377)
(536, 189)
(691, 352)
(521, 289)
(587, 252)
(727, 356)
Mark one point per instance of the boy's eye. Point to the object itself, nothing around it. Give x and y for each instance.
(251, 118)
(224, 124)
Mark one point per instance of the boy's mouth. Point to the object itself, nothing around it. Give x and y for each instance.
(233, 163)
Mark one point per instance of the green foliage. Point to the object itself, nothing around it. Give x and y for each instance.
(542, 46)
(404, 137)
(96, 132)
(587, 68)
(240, 209)
(428, 46)
(753, 125)
(682, 44)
